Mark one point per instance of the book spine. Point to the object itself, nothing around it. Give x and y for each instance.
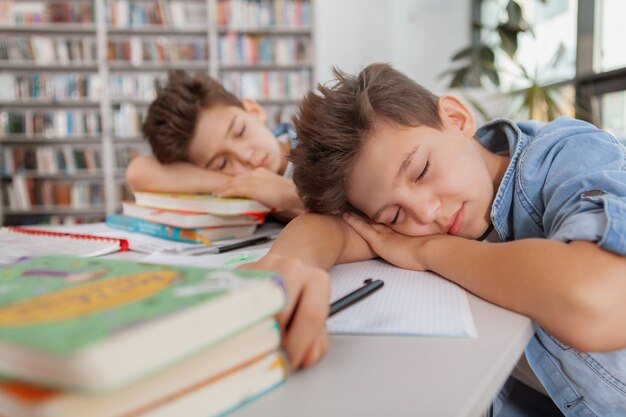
(135, 225)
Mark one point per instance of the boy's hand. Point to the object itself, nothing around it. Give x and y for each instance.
(262, 185)
(303, 319)
(398, 249)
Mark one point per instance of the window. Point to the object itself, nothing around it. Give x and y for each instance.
(610, 35)
(550, 50)
(613, 114)
(575, 47)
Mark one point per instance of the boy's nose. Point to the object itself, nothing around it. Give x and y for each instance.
(427, 210)
(243, 156)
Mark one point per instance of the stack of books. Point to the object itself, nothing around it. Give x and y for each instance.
(105, 338)
(191, 218)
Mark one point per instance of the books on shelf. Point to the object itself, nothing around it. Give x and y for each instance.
(46, 50)
(202, 203)
(50, 159)
(51, 85)
(250, 15)
(268, 85)
(136, 50)
(225, 375)
(189, 219)
(47, 88)
(37, 12)
(239, 48)
(97, 324)
(204, 235)
(176, 13)
(51, 124)
(24, 193)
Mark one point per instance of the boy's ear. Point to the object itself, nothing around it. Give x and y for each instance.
(453, 112)
(253, 107)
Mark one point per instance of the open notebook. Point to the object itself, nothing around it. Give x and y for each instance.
(20, 242)
(410, 303)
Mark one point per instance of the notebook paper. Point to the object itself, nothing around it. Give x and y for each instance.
(410, 303)
(229, 260)
(18, 243)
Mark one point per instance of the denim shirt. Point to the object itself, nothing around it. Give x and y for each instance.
(566, 181)
(285, 132)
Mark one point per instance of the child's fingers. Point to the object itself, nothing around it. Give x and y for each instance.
(304, 316)
(360, 226)
(308, 324)
(317, 350)
(235, 190)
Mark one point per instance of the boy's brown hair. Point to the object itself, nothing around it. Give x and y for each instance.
(332, 123)
(172, 116)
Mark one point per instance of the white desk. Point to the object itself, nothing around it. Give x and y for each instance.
(402, 376)
(405, 376)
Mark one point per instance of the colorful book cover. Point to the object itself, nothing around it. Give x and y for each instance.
(188, 219)
(95, 324)
(226, 394)
(229, 356)
(204, 235)
(204, 203)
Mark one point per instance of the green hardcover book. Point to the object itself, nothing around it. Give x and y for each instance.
(204, 374)
(98, 324)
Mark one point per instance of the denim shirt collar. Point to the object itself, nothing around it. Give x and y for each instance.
(503, 136)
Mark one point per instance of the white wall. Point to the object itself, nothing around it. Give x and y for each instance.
(417, 36)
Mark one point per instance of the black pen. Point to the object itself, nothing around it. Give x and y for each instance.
(369, 288)
(243, 244)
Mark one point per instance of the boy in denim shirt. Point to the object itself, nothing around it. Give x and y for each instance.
(397, 172)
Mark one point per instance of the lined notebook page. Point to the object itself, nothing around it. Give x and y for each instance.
(410, 303)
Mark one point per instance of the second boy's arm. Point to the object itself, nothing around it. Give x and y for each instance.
(146, 173)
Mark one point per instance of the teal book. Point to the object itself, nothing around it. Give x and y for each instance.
(204, 235)
(98, 324)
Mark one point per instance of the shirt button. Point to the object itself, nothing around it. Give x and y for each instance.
(592, 193)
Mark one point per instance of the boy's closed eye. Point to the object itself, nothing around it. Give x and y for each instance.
(241, 131)
(419, 177)
(222, 163)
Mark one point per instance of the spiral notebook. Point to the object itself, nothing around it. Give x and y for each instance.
(20, 242)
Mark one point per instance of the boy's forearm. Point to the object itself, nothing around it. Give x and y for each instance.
(145, 173)
(574, 291)
(321, 241)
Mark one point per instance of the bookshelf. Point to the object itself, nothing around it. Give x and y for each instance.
(77, 77)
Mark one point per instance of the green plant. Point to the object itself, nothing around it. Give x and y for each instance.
(482, 65)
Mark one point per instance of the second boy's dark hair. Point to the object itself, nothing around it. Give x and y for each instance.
(332, 123)
(173, 115)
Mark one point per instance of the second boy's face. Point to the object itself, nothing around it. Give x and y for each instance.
(422, 181)
(232, 140)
